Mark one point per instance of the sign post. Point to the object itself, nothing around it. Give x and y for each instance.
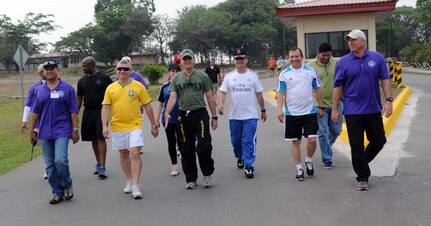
(20, 58)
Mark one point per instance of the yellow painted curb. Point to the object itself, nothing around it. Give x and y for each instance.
(272, 94)
(388, 123)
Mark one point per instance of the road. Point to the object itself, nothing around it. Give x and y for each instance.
(273, 197)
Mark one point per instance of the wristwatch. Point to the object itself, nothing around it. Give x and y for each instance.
(75, 130)
(390, 99)
(156, 126)
(214, 117)
(263, 110)
(321, 108)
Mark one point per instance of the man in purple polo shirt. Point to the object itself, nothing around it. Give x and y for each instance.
(356, 79)
(56, 111)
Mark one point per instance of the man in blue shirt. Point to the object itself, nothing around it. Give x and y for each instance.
(56, 111)
(356, 79)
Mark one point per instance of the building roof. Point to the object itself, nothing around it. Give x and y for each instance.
(288, 13)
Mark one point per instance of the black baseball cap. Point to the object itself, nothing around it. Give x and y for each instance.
(174, 66)
(49, 64)
(240, 52)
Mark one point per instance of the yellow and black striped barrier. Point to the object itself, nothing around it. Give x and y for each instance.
(396, 74)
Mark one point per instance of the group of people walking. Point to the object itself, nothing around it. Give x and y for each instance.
(113, 110)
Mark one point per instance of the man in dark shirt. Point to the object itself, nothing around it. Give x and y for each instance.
(213, 72)
(91, 88)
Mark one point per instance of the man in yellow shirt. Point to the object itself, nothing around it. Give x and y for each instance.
(124, 97)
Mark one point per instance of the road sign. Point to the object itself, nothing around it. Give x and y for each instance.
(20, 57)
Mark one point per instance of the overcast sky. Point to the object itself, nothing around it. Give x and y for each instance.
(74, 14)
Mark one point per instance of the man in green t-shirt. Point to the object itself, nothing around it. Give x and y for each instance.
(190, 86)
(328, 130)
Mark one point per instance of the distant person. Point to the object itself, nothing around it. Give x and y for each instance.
(324, 64)
(172, 130)
(280, 64)
(56, 112)
(30, 99)
(296, 85)
(213, 71)
(91, 89)
(189, 86)
(272, 64)
(245, 88)
(135, 75)
(124, 99)
(357, 77)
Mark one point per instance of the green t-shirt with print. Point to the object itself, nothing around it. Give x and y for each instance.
(191, 89)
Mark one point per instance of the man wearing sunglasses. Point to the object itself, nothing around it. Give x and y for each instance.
(244, 87)
(55, 110)
(124, 97)
(190, 86)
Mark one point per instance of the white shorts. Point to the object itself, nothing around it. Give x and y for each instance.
(127, 140)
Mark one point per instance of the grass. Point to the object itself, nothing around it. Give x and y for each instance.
(15, 147)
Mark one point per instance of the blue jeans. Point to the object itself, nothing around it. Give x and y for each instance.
(243, 137)
(57, 164)
(328, 133)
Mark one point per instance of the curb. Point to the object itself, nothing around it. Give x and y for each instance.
(388, 123)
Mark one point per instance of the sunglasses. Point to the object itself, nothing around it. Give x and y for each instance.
(123, 69)
(50, 62)
(239, 58)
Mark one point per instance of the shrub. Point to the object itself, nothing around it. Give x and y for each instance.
(153, 72)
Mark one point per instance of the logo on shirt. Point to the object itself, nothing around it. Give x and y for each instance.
(371, 63)
(61, 93)
(131, 93)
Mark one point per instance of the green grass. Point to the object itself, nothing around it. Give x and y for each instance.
(15, 147)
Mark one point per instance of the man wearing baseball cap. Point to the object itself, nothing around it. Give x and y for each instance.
(356, 79)
(244, 87)
(55, 110)
(190, 86)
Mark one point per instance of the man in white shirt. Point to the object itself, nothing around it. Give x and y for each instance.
(245, 88)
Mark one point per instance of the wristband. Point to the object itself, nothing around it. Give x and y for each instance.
(263, 110)
(321, 108)
(214, 117)
(75, 130)
(156, 126)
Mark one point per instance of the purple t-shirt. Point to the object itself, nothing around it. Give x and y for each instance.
(136, 76)
(31, 93)
(54, 109)
(360, 80)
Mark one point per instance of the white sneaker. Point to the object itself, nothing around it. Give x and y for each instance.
(207, 182)
(45, 176)
(175, 172)
(136, 193)
(128, 188)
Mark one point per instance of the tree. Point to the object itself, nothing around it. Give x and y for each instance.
(23, 33)
(424, 9)
(79, 42)
(163, 31)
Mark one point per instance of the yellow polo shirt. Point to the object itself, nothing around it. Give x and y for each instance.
(125, 101)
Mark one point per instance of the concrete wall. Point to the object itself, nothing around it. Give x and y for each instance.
(337, 22)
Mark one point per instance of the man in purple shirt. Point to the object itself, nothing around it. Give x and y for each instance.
(356, 79)
(56, 111)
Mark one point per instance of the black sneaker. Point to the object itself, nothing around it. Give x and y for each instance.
(299, 175)
(249, 172)
(310, 168)
(55, 200)
(240, 163)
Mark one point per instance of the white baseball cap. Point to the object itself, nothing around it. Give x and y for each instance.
(355, 34)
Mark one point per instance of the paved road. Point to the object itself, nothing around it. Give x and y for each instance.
(273, 197)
